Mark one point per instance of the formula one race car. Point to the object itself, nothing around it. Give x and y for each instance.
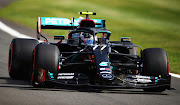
(87, 58)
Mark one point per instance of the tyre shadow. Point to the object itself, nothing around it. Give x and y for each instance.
(7, 82)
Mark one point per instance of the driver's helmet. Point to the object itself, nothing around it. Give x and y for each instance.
(87, 38)
(76, 35)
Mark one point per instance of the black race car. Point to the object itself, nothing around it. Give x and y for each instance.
(83, 59)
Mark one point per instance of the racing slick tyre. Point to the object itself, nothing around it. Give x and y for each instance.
(20, 58)
(155, 63)
(46, 60)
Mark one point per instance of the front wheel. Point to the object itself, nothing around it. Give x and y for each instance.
(155, 63)
(46, 61)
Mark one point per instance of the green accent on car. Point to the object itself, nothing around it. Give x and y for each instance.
(51, 75)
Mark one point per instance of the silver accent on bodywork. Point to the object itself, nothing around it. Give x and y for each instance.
(103, 47)
(95, 47)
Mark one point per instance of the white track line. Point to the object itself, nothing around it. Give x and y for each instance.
(15, 33)
(12, 32)
(175, 75)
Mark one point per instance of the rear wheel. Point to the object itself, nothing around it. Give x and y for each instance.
(46, 60)
(20, 58)
(155, 63)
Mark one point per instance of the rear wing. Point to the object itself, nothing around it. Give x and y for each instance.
(63, 23)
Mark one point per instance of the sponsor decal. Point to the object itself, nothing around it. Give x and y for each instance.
(62, 74)
(105, 69)
(106, 75)
(105, 72)
(103, 64)
(138, 80)
(58, 21)
(142, 80)
(65, 21)
(65, 77)
(141, 77)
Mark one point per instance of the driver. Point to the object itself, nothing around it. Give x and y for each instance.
(87, 38)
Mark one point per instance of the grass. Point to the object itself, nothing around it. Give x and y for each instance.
(149, 23)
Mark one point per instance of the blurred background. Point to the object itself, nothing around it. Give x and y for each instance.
(149, 23)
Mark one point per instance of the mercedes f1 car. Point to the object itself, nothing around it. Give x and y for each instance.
(87, 58)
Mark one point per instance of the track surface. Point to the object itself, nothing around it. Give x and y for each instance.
(20, 92)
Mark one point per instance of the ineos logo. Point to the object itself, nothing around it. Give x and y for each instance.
(106, 75)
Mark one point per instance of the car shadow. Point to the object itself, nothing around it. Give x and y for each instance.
(7, 82)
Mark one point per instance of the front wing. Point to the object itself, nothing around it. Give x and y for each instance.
(130, 82)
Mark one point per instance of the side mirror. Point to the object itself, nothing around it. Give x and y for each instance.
(59, 37)
(125, 39)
